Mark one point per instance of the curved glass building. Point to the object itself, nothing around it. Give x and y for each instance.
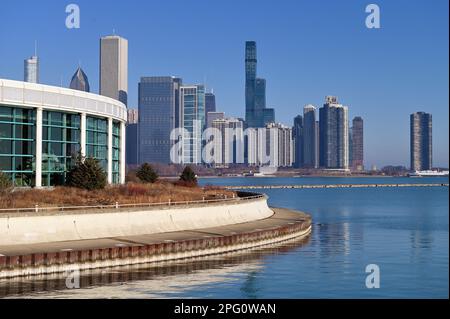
(42, 129)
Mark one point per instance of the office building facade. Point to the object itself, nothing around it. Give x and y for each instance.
(31, 70)
(309, 137)
(421, 141)
(334, 138)
(357, 144)
(212, 116)
(210, 102)
(192, 102)
(114, 68)
(159, 113)
(229, 147)
(297, 135)
(256, 113)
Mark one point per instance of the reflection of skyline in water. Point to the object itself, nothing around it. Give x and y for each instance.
(154, 280)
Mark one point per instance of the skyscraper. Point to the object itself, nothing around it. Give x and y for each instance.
(309, 136)
(421, 141)
(159, 114)
(212, 116)
(357, 144)
(256, 113)
(297, 135)
(210, 102)
(192, 102)
(114, 68)
(333, 124)
(31, 69)
(228, 149)
(131, 137)
(80, 81)
(132, 116)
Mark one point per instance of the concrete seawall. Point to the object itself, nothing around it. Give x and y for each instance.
(33, 228)
(69, 256)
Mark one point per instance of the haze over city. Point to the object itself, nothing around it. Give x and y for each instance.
(304, 53)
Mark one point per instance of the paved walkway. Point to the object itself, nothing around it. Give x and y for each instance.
(281, 217)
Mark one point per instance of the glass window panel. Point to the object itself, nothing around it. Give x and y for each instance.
(24, 147)
(102, 125)
(90, 137)
(5, 130)
(90, 123)
(56, 118)
(102, 139)
(5, 163)
(90, 150)
(56, 134)
(72, 150)
(5, 147)
(23, 163)
(45, 133)
(5, 114)
(56, 149)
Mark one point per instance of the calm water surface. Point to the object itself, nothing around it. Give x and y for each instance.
(402, 230)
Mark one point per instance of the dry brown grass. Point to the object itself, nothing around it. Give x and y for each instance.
(131, 193)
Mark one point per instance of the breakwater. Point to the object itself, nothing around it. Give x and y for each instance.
(247, 187)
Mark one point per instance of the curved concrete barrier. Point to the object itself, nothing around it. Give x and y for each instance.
(33, 228)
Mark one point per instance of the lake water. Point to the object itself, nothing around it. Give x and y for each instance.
(404, 231)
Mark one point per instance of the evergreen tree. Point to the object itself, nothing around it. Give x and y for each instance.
(188, 176)
(146, 173)
(87, 174)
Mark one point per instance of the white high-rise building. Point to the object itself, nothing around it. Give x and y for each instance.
(114, 68)
(270, 146)
(31, 70)
(229, 146)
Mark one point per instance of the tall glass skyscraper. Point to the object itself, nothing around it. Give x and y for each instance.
(256, 113)
(192, 101)
(159, 113)
(421, 141)
(80, 81)
(297, 135)
(210, 102)
(309, 136)
(334, 139)
(31, 70)
(357, 144)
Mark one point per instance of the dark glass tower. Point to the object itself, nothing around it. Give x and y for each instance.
(309, 136)
(159, 114)
(80, 81)
(210, 102)
(297, 134)
(256, 113)
(421, 141)
(357, 144)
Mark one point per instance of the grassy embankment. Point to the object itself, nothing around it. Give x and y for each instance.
(131, 193)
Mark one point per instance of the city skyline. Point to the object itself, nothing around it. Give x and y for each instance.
(366, 84)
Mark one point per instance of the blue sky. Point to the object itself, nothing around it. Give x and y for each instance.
(306, 50)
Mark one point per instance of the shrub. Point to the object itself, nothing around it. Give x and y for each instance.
(5, 182)
(87, 174)
(146, 173)
(188, 177)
